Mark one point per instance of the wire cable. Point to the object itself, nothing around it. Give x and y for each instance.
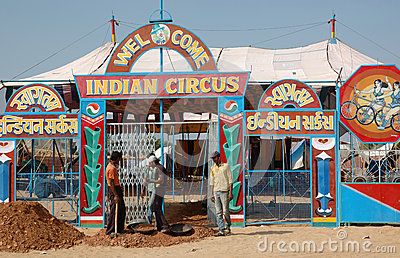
(98, 52)
(62, 49)
(370, 40)
(133, 23)
(290, 33)
(258, 29)
(130, 26)
(246, 29)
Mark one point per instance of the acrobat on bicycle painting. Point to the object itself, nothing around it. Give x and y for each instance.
(370, 103)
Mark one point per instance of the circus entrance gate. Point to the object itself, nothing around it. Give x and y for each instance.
(39, 151)
(100, 93)
(290, 157)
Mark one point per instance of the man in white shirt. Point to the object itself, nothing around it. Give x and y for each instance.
(221, 189)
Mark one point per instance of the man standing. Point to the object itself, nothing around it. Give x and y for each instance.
(221, 190)
(115, 195)
(160, 188)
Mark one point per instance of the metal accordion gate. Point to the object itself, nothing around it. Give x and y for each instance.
(187, 171)
(135, 142)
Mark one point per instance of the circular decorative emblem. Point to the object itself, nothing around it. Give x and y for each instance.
(160, 34)
(93, 109)
(231, 106)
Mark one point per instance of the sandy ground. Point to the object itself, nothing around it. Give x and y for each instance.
(258, 241)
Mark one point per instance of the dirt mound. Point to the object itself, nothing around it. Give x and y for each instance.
(194, 213)
(26, 226)
(145, 236)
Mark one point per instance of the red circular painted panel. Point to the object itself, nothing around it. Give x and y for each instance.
(370, 103)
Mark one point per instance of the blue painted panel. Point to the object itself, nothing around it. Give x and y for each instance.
(357, 207)
(4, 180)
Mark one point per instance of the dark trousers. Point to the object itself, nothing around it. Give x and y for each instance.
(121, 211)
(156, 207)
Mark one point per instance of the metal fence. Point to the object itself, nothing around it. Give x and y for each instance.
(47, 172)
(278, 196)
(277, 185)
(378, 163)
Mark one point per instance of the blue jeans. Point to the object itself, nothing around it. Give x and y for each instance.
(152, 195)
(222, 209)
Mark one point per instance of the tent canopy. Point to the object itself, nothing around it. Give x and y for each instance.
(320, 62)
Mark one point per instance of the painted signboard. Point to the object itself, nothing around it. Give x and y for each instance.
(42, 97)
(169, 36)
(33, 111)
(290, 122)
(289, 93)
(162, 85)
(370, 103)
(39, 126)
(37, 111)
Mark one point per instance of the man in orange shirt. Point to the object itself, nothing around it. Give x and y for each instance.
(115, 195)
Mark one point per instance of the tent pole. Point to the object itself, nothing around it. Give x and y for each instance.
(113, 22)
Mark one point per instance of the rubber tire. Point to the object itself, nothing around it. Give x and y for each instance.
(377, 124)
(392, 121)
(350, 103)
(368, 122)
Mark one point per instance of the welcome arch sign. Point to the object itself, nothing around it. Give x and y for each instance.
(120, 82)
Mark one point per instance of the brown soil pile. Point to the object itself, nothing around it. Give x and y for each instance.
(192, 213)
(145, 235)
(26, 226)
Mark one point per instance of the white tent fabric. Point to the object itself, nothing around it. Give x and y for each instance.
(315, 62)
(91, 63)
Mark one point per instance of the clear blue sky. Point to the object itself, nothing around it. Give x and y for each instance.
(32, 30)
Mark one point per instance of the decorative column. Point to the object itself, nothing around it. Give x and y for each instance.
(324, 182)
(6, 171)
(92, 165)
(231, 146)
